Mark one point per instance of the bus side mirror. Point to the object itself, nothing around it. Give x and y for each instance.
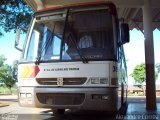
(125, 38)
(17, 39)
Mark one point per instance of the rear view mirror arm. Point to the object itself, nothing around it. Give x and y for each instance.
(17, 39)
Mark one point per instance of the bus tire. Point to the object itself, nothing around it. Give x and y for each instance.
(58, 111)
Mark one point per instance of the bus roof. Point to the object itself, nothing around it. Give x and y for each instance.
(45, 5)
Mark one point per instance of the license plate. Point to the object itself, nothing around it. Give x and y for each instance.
(60, 81)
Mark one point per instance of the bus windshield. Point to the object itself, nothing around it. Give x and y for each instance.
(88, 34)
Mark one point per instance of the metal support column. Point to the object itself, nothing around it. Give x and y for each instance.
(149, 57)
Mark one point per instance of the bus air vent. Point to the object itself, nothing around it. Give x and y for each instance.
(66, 81)
(61, 98)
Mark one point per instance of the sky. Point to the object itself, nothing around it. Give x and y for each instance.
(134, 50)
(7, 48)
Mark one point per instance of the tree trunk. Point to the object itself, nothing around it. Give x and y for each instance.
(10, 90)
(144, 90)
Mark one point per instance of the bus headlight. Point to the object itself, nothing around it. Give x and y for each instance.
(22, 95)
(97, 80)
(114, 81)
(104, 81)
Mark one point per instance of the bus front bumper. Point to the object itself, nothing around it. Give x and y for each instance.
(105, 99)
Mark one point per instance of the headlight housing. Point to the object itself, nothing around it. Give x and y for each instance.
(99, 81)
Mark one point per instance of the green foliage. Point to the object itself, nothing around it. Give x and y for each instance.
(158, 67)
(2, 59)
(15, 69)
(139, 74)
(8, 73)
(5, 90)
(14, 13)
(3, 68)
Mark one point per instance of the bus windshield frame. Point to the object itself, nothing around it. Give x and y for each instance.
(84, 34)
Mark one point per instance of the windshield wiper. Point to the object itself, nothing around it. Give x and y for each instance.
(45, 46)
(83, 58)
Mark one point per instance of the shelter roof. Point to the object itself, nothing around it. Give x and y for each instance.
(128, 10)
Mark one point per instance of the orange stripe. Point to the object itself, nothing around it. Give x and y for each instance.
(24, 71)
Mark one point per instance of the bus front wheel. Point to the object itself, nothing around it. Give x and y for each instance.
(58, 111)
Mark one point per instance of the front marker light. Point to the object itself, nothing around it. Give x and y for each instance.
(105, 97)
(99, 80)
(95, 80)
(104, 81)
(29, 95)
(114, 81)
(22, 95)
(96, 97)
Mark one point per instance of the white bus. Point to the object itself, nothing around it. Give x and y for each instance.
(73, 58)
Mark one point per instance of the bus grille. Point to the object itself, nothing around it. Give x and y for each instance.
(60, 98)
(66, 81)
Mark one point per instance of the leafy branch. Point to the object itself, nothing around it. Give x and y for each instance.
(14, 13)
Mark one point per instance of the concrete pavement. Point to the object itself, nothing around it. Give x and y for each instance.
(136, 111)
(6, 99)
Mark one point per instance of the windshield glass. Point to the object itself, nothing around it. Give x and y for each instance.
(47, 31)
(87, 34)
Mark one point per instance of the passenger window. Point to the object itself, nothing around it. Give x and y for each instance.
(56, 48)
(53, 50)
(33, 45)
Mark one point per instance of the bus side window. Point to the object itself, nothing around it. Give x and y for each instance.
(53, 50)
(33, 45)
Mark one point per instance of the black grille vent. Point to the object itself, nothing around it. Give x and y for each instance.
(61, 98)
(66, 81)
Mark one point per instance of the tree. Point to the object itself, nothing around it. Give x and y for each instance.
(139, 75)
(158, 67)
(7, 74)
(15, 69)
(14, 13)
(3, 68)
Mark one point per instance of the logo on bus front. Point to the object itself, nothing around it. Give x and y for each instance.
(60, 81)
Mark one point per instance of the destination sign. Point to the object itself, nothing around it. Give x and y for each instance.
(62, 69)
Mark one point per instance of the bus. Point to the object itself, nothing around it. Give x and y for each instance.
(73, 58)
